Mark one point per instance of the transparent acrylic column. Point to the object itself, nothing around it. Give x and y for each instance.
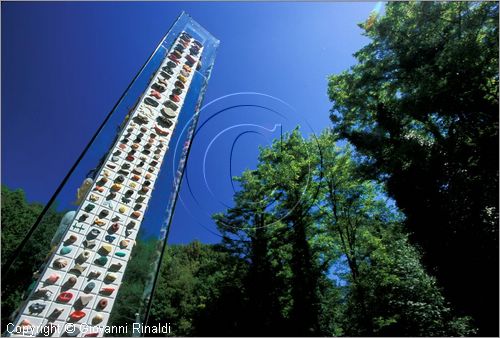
(92, 258)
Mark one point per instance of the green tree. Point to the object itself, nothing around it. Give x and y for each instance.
(291, 164)
(421, 108)
(199, 291)
(248, 231)
(17, 218)
(274, 218)
(396, 295)
(389, 291)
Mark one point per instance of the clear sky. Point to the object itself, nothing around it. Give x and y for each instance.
(64, 66)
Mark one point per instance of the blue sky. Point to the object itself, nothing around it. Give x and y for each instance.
(64, 66)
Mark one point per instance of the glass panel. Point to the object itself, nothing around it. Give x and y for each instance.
(116, 203)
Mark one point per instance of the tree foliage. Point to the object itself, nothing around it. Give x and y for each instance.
(17, 218)
(390, 293)
(198, 291)
(348, 219)
(371, 238)
(297, 217)
(421, 108)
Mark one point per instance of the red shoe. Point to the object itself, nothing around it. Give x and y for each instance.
(107, 291)
(161, 131)
(65, 297)
(173, 58)
(77, 315)
(155, 94)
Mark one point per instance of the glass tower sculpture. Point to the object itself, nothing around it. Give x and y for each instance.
(140, 151)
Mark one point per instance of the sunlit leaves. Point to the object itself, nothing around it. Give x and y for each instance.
(421, 107)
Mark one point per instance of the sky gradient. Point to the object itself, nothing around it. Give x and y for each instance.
(64, 66)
